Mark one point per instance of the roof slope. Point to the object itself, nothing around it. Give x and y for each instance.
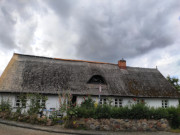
(27, 73)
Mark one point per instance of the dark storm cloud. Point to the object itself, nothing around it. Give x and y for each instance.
(111, 30)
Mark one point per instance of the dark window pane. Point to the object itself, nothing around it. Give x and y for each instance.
(97, 79)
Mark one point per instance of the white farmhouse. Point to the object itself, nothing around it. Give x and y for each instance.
(122, 84)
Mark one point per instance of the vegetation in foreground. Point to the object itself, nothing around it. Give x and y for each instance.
(175, 130)
(90, 109)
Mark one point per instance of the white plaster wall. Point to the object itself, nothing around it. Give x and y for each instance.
(125, 101)
(157, 102)
(80, 99)
(151, 102)
(173, 102)
(8, 97)
(52, 102)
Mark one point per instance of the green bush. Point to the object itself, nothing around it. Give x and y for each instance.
(139, 111)
(174, 116)
(116, 112)
(87, 109)
(88, 103)
(159, 113)
(136, 111)
(5, 106)
(71, 112)
(83, 112)
(119, 112)
(103, 111)
(35, 106)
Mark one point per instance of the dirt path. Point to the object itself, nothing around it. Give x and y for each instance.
(12, 130)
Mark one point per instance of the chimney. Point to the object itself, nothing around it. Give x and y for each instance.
(122, 64)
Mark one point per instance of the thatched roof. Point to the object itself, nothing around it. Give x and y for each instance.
(26, 73)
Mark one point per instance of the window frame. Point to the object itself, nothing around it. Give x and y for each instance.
(165, 103)
(140, 100)
(42, 103)
(103, 101)
(19, 102)
(118, 102)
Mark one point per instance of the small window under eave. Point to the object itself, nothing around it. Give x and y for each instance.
(97, 79)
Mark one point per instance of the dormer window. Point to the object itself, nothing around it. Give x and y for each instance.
(97, 79)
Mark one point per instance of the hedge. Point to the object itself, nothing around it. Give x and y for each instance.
(136, 111)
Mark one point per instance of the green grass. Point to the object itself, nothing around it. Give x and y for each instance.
(175, 130)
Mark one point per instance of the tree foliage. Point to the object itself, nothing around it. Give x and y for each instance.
(174, 81)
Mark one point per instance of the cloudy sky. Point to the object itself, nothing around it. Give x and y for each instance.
(145, 33)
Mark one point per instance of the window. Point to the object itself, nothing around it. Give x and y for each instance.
(42, 103)
(100, 102)
(103, 101)
(52, 109)
(140, 101)
(165, 103)
(97, 79)
(118, 102)
(21, 101)
(18, 101)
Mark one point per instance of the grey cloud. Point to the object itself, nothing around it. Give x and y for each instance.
(7, 27)
(8, 21)
(106, 30)
(178, 62)
(24, 45)
(127, 30)
(64, 8)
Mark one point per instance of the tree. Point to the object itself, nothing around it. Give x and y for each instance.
(174, 81)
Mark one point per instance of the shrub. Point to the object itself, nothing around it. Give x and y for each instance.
(68, 123)
(88, 103)
(35, 104)
(19, 110)
(83, 112)
(87, 109)
(5, 106)
(159, 113)
(115, 112)
(43, 121)
(71, 111)
(139, 111)
(174, 116)
(103, 111)
(57, 121)
(120, 112)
